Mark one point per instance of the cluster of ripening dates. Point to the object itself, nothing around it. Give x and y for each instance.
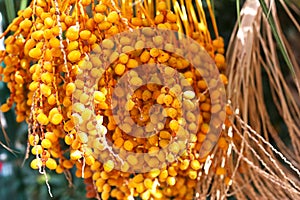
(64, 74)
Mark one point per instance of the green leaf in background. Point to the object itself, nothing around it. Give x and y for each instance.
(10, 9)
(23, 4)
(238, 10)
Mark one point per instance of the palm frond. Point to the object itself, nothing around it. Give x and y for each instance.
(10, 10)
(272, 170)
(279, 39)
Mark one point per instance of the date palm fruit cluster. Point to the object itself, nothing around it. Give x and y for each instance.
(71, 120)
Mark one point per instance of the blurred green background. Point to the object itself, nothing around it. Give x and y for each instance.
(19, 182)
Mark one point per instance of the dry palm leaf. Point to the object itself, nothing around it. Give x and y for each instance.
(269, 171)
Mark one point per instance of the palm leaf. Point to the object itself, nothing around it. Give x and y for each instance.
(10, 9)
(272, 170)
